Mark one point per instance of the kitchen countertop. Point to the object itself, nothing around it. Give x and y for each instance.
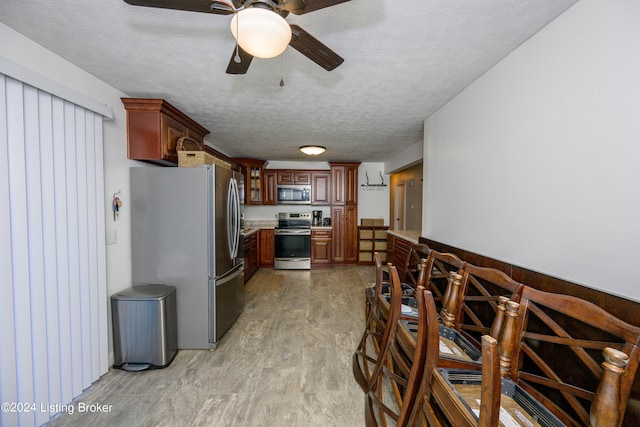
(409, 235)
(249, 231)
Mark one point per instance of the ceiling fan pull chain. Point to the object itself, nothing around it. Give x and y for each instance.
(236, 58)
(281, 70)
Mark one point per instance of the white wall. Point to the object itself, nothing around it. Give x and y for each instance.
(405, 158)
(373, 202)
(28, 54)
(537, 163)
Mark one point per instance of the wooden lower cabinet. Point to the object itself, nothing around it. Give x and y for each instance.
(344, 220)
(321, 248)
(267, 248)
(251, 261)
(398, 253)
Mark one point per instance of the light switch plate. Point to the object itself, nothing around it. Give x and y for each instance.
(112, 237)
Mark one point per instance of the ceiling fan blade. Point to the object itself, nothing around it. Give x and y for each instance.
(313, 49)
(219, 7)
(242, 66)
(299, 7)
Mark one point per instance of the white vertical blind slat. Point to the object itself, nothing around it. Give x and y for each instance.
(45, 113)
(73, 248)
(92, 252)
(36, 256)
(62, 251)
(84, 283)
(19, 247)
(101, 271)
(8, 363)
(52, 254)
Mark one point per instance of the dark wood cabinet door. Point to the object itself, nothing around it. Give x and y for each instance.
(267, 248)
(338, 239)
(321, 248)
(269, 184)
(321, 188)
(351, 184)
(251, 261)
(285, 177)
(337, 184)
(351, 234)
(302, 177)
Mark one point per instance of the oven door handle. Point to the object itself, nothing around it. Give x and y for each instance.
(293, 232)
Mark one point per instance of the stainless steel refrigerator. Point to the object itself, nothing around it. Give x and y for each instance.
(186, 232)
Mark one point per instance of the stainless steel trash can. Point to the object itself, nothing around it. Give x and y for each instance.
(145, 330)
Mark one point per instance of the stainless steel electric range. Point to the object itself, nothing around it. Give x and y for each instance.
(293, 241)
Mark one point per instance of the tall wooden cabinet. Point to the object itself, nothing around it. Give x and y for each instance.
(153, 129)
(344, 212)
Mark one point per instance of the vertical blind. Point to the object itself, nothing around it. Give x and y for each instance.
(53, 302)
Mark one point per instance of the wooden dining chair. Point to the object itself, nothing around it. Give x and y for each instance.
(411, 267)
(473, 307)
(434, 272)
(439, 266)
(560, 358)
(391, 399)
(377, 335)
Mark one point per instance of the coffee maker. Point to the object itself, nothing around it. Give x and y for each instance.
(317, 218)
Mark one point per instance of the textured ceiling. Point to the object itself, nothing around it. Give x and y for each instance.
(403, 60)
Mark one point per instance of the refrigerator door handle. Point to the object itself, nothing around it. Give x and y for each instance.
(233, 215)
(236, 216)
(228, 277)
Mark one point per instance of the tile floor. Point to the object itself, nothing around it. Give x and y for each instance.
(285, 362)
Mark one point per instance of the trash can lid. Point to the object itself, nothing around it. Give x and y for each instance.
(144, 292)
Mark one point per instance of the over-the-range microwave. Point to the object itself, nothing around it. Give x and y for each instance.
(293, 194)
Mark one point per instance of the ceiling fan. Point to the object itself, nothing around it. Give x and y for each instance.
(252, 16)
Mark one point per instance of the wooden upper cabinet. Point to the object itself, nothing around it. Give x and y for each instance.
(344, 183)
(269, 187)
(294, 177)
(253, 181)
(321, 188)
(153, 129)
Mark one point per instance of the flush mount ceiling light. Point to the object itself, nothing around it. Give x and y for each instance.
(261, 32)
(312, 150)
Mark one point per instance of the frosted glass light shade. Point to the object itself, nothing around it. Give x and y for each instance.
(312, 150)
(263, 33)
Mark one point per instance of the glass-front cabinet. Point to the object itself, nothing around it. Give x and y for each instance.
(255, 182)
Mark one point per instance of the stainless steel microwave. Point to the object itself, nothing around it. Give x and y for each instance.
(293, 194)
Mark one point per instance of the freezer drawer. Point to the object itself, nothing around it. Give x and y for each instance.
(144, 327)
(227, 300)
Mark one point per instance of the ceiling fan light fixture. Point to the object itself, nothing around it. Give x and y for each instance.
(263, 33)
(312, 150)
